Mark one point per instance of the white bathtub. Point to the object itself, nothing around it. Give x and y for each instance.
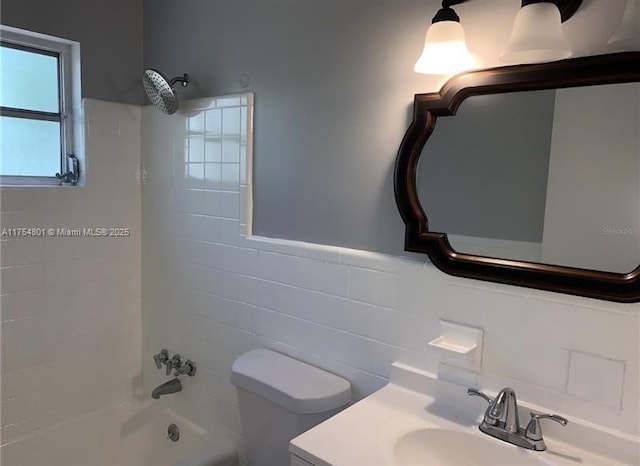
(132, 434)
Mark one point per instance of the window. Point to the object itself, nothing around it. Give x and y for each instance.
(37, 79)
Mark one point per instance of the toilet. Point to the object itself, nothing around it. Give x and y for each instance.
(279, 398)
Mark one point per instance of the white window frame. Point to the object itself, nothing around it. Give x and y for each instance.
(70, 100)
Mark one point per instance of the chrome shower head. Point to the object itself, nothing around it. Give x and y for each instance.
(160, 90)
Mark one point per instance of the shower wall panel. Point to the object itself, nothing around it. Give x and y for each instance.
(70, 305)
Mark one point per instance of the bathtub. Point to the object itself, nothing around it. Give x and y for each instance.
(131, 434)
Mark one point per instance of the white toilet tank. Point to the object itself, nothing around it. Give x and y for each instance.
(280, 398)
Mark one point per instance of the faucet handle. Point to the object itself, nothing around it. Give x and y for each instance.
(534, 431)
(161, 358)
(474, 392)
(188, 367)
(174, 363)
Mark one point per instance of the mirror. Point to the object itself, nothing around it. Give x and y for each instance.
(530, 175)
(544, 179)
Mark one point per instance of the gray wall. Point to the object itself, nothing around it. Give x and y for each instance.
(110, 36)
(333, 86)
(484, 172)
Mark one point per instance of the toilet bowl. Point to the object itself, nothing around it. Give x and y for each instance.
(279, 398)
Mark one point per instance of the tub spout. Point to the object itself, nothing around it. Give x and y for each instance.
(172, 386)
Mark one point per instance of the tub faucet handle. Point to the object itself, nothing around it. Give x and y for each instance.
(161, 358)
(186, 368)
(173, 363)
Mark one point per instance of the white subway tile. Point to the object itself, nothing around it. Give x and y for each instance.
(28, 251)
(373, 287)
(213, 175)
(227, 232)
(327, 277)
(322, 252)
(222, 336)
(248, 261)
(291, 248)
(596, 379)
(346, 348)
(404, 330)
(180, 174)
(230, 205)
(213, 150)
(16, 305)
(220, 309)
(228, 101)
(231, 150)
(246, 206)
(249, 290)
(526, 360)
(212, 203)
(247, 317)
(196, 123)
(195, 174)
(224, 257)
(190, 200)
(7, 252)
(225, 284)
(278, 267)
(213, 122)
(231, 121)
(22, 278)
(367, 259)
(230, 175)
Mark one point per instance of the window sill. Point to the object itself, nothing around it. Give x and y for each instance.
(29, 182)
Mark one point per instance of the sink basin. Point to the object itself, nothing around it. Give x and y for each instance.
(443, 447)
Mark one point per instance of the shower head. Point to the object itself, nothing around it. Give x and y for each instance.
(160, 90)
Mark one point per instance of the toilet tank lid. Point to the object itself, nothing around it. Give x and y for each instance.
(292, 384)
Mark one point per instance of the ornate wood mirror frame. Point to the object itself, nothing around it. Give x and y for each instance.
(587, 71)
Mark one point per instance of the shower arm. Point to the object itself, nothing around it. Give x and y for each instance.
(184, 80)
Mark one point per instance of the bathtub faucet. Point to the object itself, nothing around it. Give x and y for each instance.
(182, 367)
(172, 386)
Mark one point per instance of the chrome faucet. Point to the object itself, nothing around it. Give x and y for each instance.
(181, 367)
(172, 386)
(501, 421)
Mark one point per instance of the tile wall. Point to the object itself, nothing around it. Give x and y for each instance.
(211, 292)
(70, 307)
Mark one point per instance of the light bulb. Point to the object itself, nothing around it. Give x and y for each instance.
(537, 36)
(445, 50)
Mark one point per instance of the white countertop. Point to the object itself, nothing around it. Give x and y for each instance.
(364, 433)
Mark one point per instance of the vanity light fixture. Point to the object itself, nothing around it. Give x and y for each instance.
(537, 37)
(627, 37)
(445, 48)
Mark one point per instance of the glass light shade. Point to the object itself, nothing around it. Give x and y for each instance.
(537, 36)
(445, 50)
(627, 37)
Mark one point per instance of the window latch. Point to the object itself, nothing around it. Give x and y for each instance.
(72, 175)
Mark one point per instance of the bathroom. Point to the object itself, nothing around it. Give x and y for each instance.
(262, 215)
